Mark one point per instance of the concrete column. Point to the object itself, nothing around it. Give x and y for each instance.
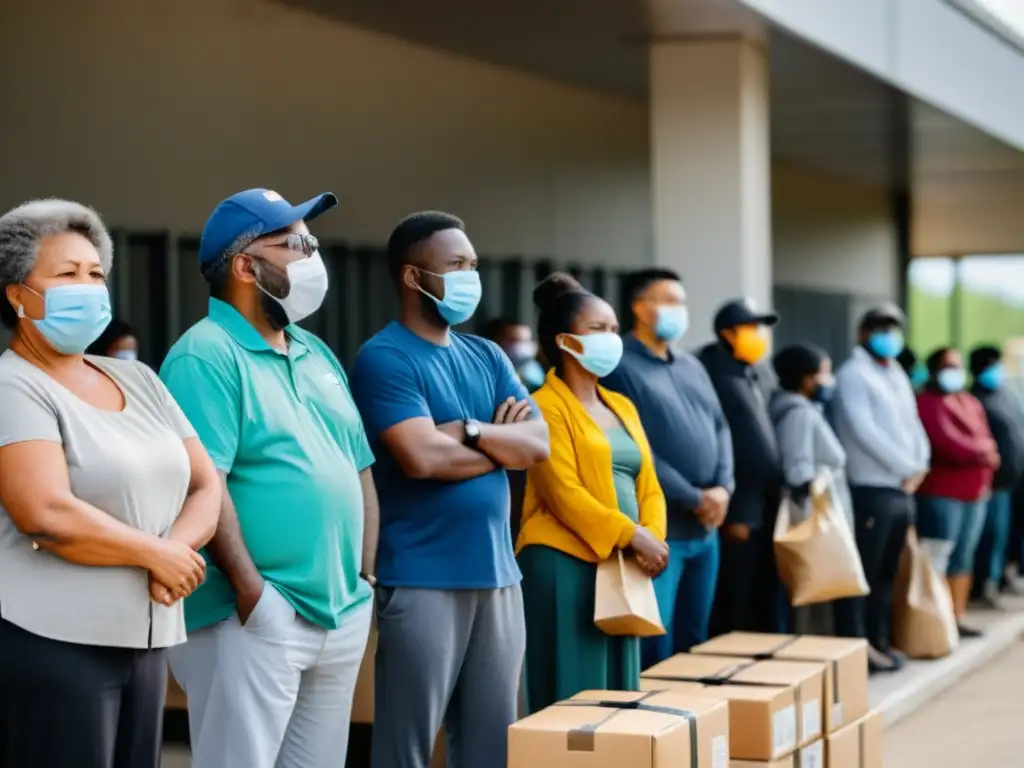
(711, 166)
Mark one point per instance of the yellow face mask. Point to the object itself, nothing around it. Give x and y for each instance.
(750, 344)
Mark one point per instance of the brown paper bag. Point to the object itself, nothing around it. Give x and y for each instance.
(923, 621)
(624, 601)
(818, 559)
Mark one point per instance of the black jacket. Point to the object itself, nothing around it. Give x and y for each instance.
(1006, 420)
(744, 391)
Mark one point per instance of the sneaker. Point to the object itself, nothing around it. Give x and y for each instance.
(879, 662)
(990, 597)
(899, 659)
(1011, 587)
(968, 633)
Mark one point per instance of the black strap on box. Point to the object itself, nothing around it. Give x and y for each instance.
(581, 739)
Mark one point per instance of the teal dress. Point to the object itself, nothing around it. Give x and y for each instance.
(565, 652)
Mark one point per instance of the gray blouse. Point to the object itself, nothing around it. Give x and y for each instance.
(132, 465)
(808, 446)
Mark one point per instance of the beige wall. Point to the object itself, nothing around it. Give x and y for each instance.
(831, 235)
(959, 217)
(154, 111)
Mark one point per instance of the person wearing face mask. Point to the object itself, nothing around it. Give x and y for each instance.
(952, 499)
(279, 628)
(692, 449)
(516, 340)
(447, 416)
(887, 455)
(1006, 421)
(118, 340)
(105, 496)
(598, 493)
(809, 448)
(749, 595)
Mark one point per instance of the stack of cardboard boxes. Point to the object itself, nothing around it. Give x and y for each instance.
(742, 700)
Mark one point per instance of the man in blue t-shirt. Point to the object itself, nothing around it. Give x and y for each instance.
(447, 416)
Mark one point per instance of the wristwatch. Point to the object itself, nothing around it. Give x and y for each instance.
(370, 579)
(472, 427)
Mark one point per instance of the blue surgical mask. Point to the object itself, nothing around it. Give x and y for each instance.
(601, 352)
(531, 373)
(951, 380)
(128, 355)
(992, 378)
(462, 292)
(74, 316)
(672, 323)
(919, 376)
(886, 344)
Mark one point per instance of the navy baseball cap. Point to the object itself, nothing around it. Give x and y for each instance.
(251, 214)
(739, 312)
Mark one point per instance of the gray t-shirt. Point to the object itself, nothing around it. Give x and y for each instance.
(132, 465)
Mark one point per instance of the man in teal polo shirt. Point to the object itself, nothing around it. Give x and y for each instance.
(278, 630)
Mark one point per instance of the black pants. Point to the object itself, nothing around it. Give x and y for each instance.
(76, 706)
(881, 519)
(749, 596)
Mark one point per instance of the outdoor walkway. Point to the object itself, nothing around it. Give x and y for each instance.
(976, 723)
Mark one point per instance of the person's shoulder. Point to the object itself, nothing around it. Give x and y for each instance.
(13, 368)
(477, 345)
(18, 376)
(851, 370)
(620, 403)
(387, 348)
(206, 340)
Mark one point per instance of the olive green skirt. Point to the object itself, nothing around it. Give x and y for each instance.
(565, 652)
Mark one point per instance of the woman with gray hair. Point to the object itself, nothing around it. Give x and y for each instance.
(105, 497)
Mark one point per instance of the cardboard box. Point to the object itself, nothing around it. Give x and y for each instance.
(811, 756)
(846, 673)
(611, 729)
(774, 706)
(858, 745)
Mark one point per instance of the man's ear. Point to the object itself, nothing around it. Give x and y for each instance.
(410, 276)
(242, 268)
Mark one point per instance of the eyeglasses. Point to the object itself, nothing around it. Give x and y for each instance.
(307, 245)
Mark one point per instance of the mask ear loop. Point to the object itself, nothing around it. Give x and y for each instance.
(21, 310)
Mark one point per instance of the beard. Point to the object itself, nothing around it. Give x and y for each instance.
(275, 313)
(274, 283)
(431, 312)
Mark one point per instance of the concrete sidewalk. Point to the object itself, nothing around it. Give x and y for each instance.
(899, 694)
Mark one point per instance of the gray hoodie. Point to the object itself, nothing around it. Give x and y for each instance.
(807, 445)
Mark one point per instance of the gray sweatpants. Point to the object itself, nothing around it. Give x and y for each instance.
(450, 657)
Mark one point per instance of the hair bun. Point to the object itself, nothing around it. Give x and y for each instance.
(553, 287)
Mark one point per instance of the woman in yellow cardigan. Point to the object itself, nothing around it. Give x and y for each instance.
(596, 494)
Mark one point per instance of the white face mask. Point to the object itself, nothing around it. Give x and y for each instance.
(126, 354)
(307, 280)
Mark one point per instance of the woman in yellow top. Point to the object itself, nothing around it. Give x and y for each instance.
(596, 494)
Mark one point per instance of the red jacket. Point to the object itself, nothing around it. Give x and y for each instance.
(962, 446)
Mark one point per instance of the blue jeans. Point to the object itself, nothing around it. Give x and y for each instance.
(685, 592)
(995, 538)
(949, 530)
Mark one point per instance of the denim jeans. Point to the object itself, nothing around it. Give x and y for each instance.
(685, 592)
(949, 531)
(990, 558)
